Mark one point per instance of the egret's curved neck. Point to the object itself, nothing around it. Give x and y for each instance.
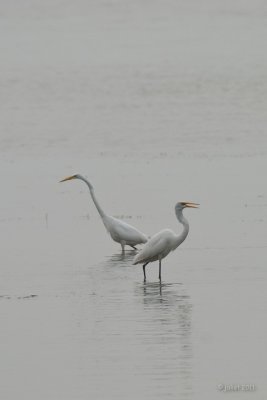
(184, 222)
(99, 209)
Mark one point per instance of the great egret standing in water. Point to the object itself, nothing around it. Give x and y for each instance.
(120, 232)
(165, 241)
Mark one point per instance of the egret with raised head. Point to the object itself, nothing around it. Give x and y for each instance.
(165, 241)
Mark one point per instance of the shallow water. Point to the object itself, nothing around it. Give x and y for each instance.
(155, 102)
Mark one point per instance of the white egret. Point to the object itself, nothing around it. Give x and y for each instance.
(120, 231)
(165, 241)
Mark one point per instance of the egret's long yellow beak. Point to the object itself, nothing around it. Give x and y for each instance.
(191, 205)
(68, 178)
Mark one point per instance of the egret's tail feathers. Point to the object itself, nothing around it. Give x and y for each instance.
(137, 259)
(145, 238)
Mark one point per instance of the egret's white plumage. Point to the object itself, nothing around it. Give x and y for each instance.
(120, 231)
(165, 241)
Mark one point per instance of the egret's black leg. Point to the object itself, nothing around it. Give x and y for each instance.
(133, 247)
(160, 270)
(144, 269)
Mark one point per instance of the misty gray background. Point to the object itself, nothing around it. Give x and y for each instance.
(155, 102)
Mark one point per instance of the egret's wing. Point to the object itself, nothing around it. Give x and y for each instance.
(154, 247)
(125, 231)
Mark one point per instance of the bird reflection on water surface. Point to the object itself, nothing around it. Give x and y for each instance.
(121, 259)
(155, 319)
(168, 310)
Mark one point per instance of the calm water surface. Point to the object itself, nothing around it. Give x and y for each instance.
(155, 102)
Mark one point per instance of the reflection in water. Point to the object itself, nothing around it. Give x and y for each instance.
(117, 267)
(149, 326)
(121, 259)
(171, 311)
